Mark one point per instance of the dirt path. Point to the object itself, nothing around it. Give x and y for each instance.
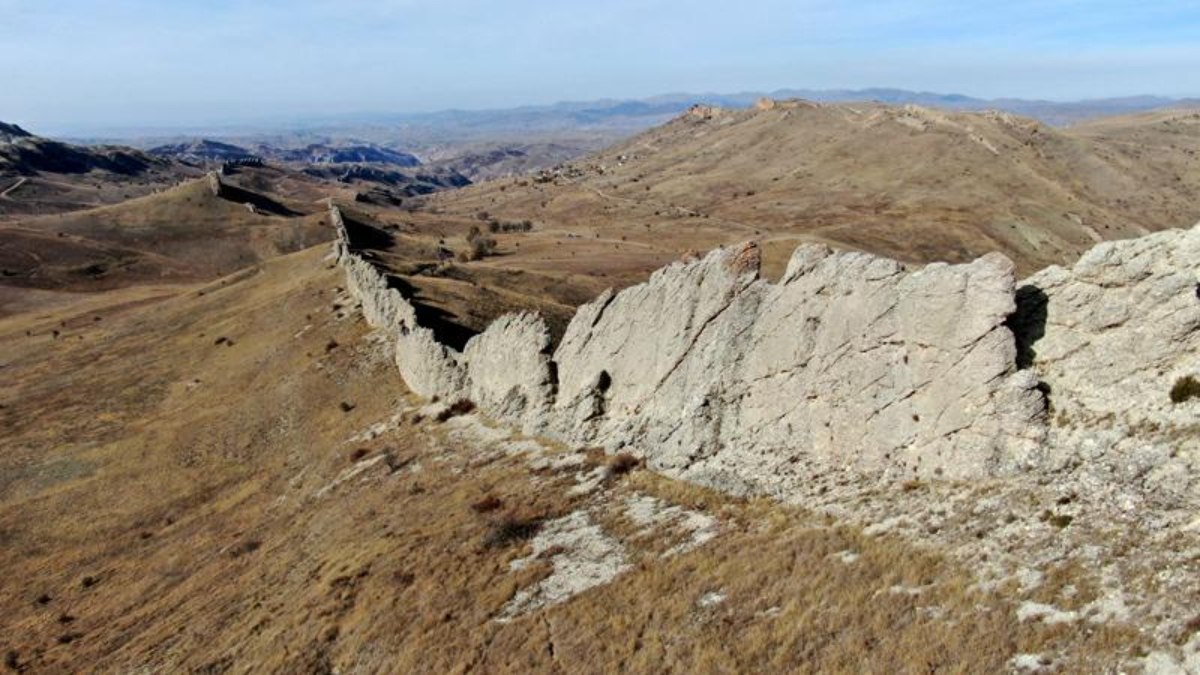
(14, 186)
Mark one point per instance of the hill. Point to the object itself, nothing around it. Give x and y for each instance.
(186, 233)
(202, 151)
(231, 477)
(908, 182)
(39, 175)
(340, 154)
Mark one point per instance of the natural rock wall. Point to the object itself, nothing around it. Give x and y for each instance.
(214, 183)
(1115, 330)
(1108, 338)
(428, 367)
(509, 371)
(849, 361)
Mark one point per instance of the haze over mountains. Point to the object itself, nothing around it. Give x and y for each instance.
(615, 116)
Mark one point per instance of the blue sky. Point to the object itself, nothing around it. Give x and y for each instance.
(75, 65)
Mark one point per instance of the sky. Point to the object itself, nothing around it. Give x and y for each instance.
(82, 65)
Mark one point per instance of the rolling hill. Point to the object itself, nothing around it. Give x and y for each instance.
(186, 233)
(39, 175)
(909, 182)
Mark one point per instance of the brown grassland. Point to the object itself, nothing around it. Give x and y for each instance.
(183, 489)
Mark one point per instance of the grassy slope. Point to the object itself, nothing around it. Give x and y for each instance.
(174, 502)
(916, 184)
(182, 234)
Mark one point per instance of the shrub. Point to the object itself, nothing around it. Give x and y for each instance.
(460, 407)
(482, 247)
(1057, 520)
(478, 245)
(622, 464)
(1186, 388)
(487, 504)
(510, 529)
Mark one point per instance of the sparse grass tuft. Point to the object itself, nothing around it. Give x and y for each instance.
(1056, 519)
(622, 464)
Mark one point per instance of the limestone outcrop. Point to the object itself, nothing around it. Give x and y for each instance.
(214, 183)
(849, 361)
(1113, 332)
(1108, 338)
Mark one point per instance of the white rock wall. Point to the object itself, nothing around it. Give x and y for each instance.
(851, 360)
(509, 372)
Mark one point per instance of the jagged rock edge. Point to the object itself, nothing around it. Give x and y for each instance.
(699, 428)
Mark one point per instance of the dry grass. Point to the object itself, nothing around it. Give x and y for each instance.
(844, 175)
(226, 458)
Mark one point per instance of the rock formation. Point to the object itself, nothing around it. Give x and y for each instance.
(849, 361)
(214, 183)
(1108, 338)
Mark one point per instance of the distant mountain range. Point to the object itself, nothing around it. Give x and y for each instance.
(601, 118)
(22, 153)
(616, 115)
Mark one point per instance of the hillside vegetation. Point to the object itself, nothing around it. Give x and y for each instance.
(908, 182)
(182, 234)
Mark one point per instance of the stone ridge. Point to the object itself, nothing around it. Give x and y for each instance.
(850, 361)
(215, 186)
(1109, 337)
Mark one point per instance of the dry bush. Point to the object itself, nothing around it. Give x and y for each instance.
(1186, 388)
(460, 407)
(622, 463)
(487, 504)
(479, 246)
(511, 528)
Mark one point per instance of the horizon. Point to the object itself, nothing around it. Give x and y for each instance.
(315, 123)
(86, 67)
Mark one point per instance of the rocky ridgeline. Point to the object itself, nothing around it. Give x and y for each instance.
(849, 361)
(215, 186)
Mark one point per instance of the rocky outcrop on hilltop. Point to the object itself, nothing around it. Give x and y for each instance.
(850, 361)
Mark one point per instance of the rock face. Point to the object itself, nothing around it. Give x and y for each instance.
(850, 361)
(1112, 333)
(510, 374)
(214, 183)
(1109, 337)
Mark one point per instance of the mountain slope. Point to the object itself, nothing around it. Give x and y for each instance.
(232, 478)
(39, 175)
(183, 234)
(912, 183)
(202, 150)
